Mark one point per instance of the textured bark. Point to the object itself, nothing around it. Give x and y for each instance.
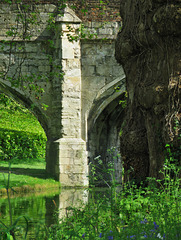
(149, 48)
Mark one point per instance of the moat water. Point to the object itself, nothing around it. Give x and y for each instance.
(40, 210)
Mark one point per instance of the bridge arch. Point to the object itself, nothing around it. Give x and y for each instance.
(104, 124)
(78, 81)
(21, 98)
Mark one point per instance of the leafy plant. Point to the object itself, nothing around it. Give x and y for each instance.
(127, 211)
(21, 145)
(21, 136)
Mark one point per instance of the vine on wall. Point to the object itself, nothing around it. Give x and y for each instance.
(28, 22)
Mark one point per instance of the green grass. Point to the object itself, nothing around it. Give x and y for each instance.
(14, 116)
(26, 174)
(30, 163)
(25, 183)
(19, 120)
(26, 177)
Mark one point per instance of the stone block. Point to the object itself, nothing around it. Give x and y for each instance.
(71, 169)
(72, 174)
(73, 64)
(30, 47)
(106, 31)
(103, 70)
(65, 180)
(73, 72)
(88, 61)
(117, 70)
(88, 51)
(44, 68)
(88, 71)
(67, 53)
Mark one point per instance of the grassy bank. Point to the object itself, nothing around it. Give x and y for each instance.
(21, 135)
(14, 116)
(22, 184)
(26, 177)
(22, 142)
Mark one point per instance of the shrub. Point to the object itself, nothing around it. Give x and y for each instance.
(21, 145)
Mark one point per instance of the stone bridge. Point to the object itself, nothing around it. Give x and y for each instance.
(76, 80)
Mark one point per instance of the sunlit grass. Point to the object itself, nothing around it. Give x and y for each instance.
(28, 176)
(14, 116)
(20, 183)
(30, 164)
(12, 119)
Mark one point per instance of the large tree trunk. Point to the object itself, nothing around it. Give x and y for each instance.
(149, 48)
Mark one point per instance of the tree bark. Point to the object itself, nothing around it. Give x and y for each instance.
(149, 48)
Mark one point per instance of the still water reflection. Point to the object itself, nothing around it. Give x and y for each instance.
(42, 209)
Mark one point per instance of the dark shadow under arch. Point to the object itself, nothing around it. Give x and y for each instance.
(104, 140)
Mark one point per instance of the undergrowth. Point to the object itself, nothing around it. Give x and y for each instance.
(121, 213)
(127, 211)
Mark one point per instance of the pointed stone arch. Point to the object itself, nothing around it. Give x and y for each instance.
(104, 124)
(21, 98)
(83, 85)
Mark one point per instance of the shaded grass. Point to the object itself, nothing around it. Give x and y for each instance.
(23, 183)
(26, 177)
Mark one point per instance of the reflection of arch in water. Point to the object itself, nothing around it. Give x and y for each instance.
(104, 124)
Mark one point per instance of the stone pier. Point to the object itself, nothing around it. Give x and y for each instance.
(79, 78)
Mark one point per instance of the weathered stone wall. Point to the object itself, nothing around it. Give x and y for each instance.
(101, 120)
(95, 11)
(30, 59)
(76, 99)
(86, 10)
(99, 73)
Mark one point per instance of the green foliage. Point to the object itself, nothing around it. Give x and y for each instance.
(81, 33)
(127, 211)
(7, 232)
(27, 183)
(21, 145)
(21, 135)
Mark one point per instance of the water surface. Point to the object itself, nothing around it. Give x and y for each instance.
(41, 210)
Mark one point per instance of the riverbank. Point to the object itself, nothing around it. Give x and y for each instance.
(26, 178)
